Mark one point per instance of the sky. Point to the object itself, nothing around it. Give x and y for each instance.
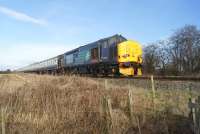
(34, 30)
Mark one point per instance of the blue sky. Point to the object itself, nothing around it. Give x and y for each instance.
(33, 30)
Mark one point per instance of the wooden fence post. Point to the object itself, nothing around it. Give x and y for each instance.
(194, 106)
(3, 129)
(130, 100)
(138, 123)
(153, 87)
(108, 115)
(153, 92)
(130, 105)
(197, 115)
(103, 113)
(106, 84)
(190, 107)
(194, 115)
(190, 91)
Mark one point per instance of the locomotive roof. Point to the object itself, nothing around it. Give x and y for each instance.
(116, 36)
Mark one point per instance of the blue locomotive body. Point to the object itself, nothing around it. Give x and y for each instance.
(96, 57)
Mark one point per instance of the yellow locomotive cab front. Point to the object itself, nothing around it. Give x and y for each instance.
(130, 58)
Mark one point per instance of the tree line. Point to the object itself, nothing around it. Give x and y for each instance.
(177, 55)
(5, 72)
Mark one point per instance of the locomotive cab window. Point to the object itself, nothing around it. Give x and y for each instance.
(94, 53)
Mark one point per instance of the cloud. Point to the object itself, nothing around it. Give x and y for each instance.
(21, 16)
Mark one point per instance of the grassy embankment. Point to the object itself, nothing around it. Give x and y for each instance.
(71, 104)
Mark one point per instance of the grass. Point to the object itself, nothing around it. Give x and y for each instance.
(70, 104)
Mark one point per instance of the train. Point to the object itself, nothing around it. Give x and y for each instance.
(113, 55)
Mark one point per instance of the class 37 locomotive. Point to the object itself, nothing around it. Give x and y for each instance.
(113, 55)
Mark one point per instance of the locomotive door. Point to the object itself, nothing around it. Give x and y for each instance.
(113, 53)
(104, 51)
(94, 55)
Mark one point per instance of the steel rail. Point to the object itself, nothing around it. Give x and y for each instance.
(169, 78)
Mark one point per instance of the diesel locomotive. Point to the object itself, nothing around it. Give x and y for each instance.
(113, 55)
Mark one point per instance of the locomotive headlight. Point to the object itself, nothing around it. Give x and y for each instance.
(125, 55)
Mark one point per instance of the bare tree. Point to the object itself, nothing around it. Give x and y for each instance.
(163, 56)
(150, 58)
(178, 55)
(185, 49)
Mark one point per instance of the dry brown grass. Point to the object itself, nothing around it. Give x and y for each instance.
(71, 104)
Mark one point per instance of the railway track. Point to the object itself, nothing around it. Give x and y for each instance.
(167, 78)
(164, 78)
